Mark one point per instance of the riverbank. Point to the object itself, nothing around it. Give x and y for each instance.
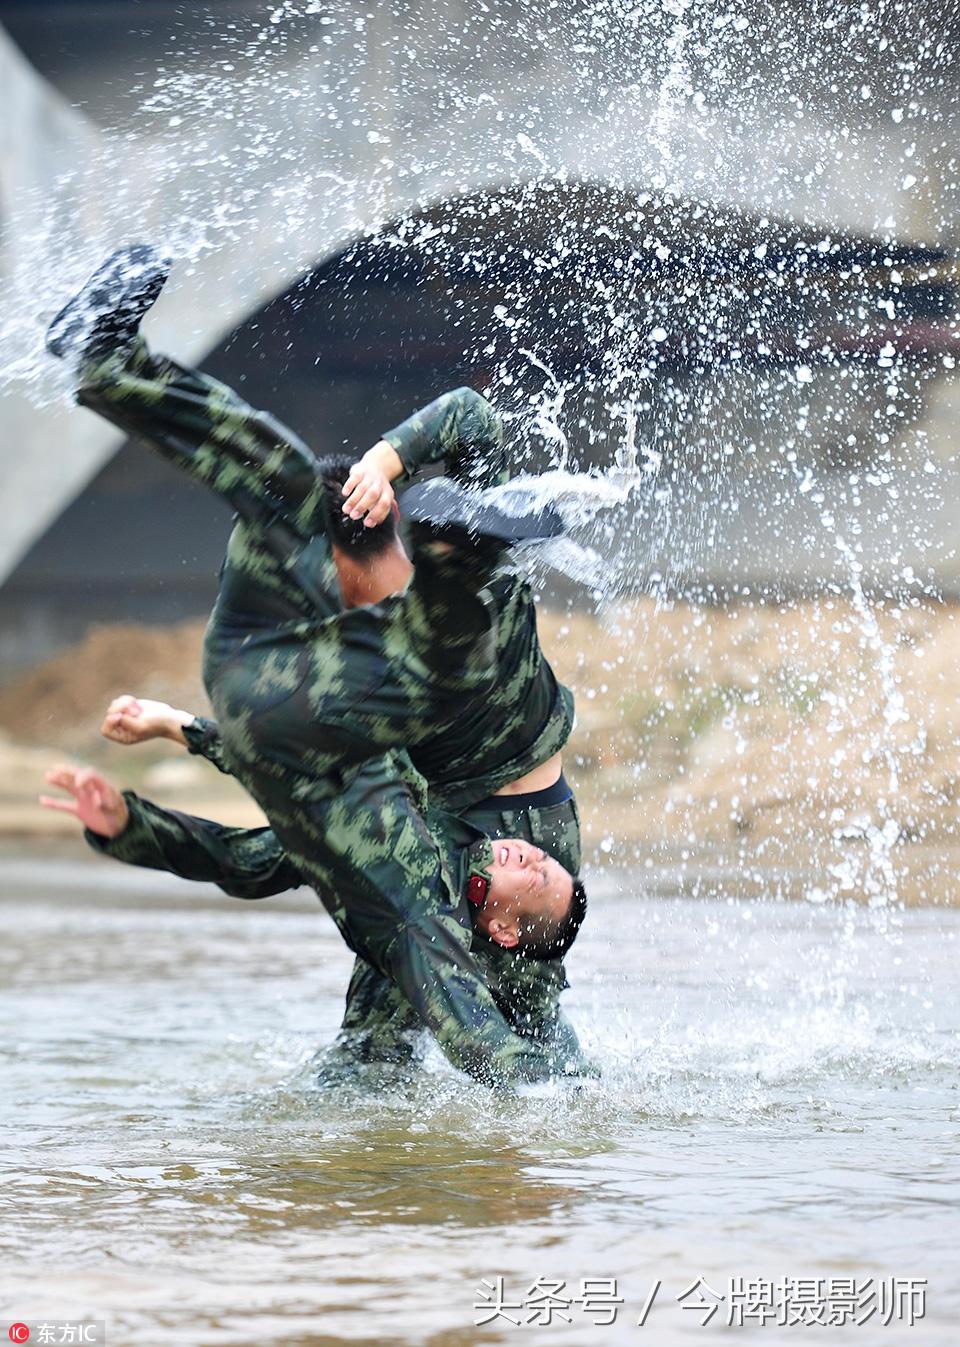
(817, 732)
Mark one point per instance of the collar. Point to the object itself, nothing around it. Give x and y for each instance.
(478, 860)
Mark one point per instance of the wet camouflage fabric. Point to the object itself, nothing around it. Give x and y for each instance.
(307, 694)
(527, 716)
(380, 1025)
(379, 1022)
(243, 862)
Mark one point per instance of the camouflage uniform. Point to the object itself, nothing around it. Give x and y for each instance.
(315, 702)
(379, 1023)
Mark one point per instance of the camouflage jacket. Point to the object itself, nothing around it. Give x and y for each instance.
(315, 701)
(250, 863)
(526, 716)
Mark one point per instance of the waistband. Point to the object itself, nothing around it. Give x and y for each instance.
(558, 793)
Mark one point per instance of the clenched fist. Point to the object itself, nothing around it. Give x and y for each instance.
(136, 720)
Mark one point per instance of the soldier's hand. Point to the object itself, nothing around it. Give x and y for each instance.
(136, 720)
(368, 492)
(96, 801)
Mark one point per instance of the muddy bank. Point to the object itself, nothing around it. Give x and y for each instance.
(818, 728)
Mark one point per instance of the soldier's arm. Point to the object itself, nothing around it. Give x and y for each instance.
(434, 970)
(243, 862)
(137, 720)
(459, 430)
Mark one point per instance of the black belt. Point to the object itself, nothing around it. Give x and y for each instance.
(558, 793)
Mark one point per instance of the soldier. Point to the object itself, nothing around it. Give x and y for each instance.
(250, 863)
(538, 806)
(313, 700)
(497, 749)
(379, 1023)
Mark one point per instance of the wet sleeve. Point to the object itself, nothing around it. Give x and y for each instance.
(203, 740)
(434, 970)
(243, 862)
(459, 431)
(528, 992)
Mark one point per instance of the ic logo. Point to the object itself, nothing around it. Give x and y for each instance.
(18, 1333)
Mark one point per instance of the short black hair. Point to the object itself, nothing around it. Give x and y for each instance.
(554, 942)
(351, 535)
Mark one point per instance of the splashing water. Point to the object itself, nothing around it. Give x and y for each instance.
(665, 236)
(675, 85)
(549, 409)
(687, 366)
(880, 880)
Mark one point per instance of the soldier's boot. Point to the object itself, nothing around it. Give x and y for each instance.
(497, 516)
(104, 314)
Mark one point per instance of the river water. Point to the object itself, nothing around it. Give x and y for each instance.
(779, 1100)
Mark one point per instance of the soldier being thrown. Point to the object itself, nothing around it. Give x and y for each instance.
(379, 1024)
(315, 702)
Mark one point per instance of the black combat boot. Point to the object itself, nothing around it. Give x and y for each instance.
(104, 314)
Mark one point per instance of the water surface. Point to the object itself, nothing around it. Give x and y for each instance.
(780, 1098)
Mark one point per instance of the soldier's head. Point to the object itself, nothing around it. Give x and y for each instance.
(351, 536)
(531, 904)
(371, 562)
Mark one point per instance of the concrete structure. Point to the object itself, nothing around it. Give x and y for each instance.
(293, 132)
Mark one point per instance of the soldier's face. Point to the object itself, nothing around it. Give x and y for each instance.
(527, 888)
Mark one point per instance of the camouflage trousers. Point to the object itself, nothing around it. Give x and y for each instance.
(314, 702)
(379, 1023)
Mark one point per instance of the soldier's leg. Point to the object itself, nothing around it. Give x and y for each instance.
(209, 431)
